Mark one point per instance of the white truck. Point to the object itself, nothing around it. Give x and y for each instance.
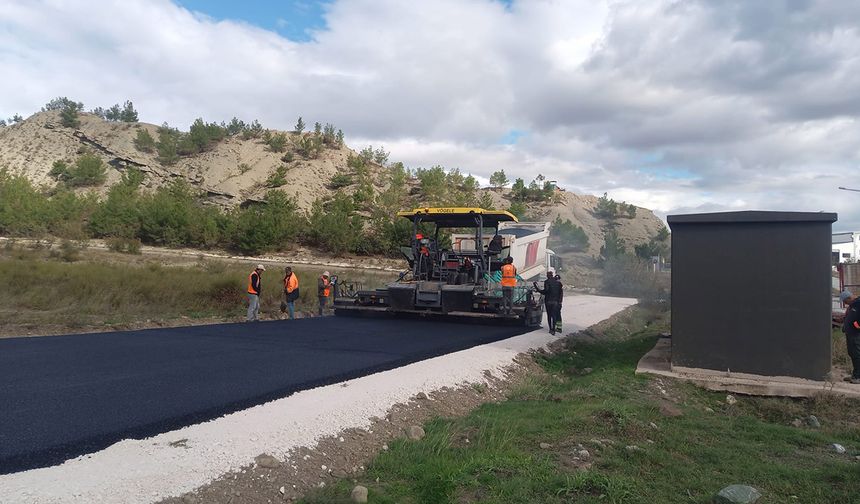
(526, 242)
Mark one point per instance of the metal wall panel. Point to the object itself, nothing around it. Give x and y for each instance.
(751, 292)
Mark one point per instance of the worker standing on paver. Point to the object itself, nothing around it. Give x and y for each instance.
(255, 283)
(851, 328)
(552, 299)
(291, 292)
(509, 281)
(323, 290)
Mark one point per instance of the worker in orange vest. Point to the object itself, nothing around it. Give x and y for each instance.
(509, 281)
(323, 290)
(255, 284)
(291, 292)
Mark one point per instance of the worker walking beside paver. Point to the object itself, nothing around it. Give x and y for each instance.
(291, 292)
(552, 299)
(323, 291)
(509, 281)
(851, 328)
(254, 288)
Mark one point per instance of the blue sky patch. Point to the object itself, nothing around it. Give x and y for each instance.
(512, 137)
(653, 165)
(293, 19)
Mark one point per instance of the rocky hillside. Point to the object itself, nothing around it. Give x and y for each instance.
(234, 171)
(237, 170)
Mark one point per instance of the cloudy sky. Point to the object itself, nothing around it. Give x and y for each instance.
(675, 105)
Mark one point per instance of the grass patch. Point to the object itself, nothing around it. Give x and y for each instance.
(73, 288)
(704, 445)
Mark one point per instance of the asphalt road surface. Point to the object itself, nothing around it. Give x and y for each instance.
(65, 396)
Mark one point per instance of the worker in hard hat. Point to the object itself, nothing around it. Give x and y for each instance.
(255, 285)
(509, 281)
(323, 290)
(291, 292)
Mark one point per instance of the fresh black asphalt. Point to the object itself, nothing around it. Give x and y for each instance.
(64, 396)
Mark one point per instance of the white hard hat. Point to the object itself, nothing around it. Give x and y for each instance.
(261, 267)
(326, 273)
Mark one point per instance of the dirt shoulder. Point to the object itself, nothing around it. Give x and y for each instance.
(345, 457)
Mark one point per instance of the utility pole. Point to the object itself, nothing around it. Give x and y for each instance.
(849, 189)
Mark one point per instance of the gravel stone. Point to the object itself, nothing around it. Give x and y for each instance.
(415, 432)
(267, 461)
(359, 494)
(737, 494)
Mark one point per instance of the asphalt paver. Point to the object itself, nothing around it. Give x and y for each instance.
(65, 396)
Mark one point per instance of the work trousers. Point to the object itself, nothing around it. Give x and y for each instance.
(553, 315)
(323, 301)
(507, 299)
(253, 307)
(552, 312)
(853, 341)
(291, 305)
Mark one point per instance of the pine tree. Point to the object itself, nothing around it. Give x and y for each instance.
(300, 125)
(128, 114)
(499, 179)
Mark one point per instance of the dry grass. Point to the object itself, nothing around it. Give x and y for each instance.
(79, 289)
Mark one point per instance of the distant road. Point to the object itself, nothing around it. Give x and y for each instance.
(65, 396)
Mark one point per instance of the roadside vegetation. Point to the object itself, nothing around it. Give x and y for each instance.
(69, 288)
(589, 430)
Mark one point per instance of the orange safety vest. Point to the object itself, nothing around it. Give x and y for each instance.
(327, 289)
(291, 283)
(251, 283)
(509, 275)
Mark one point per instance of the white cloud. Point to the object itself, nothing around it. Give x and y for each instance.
(674, 105)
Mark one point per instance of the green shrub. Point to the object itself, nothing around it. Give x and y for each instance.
(119, 214)
(69, 115)
(59, 170)
(613, 246)
(277, 177)
(88, 170)
(626, 275)
(144, 141)
(277, 142)
(519, 209)
(339, 181)
(69, 252)
(168, 140)
(332, 225)
(270, 226)
(253, 130)
(499, 179)
(569, 234)
(123, 245)
(309, 146)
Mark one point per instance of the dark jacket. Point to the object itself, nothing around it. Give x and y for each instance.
(851, 324)
(551, 291)
(495, 245)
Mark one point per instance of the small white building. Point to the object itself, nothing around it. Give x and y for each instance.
(846, 246)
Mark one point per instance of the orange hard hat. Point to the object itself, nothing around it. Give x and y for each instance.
(419, 236)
